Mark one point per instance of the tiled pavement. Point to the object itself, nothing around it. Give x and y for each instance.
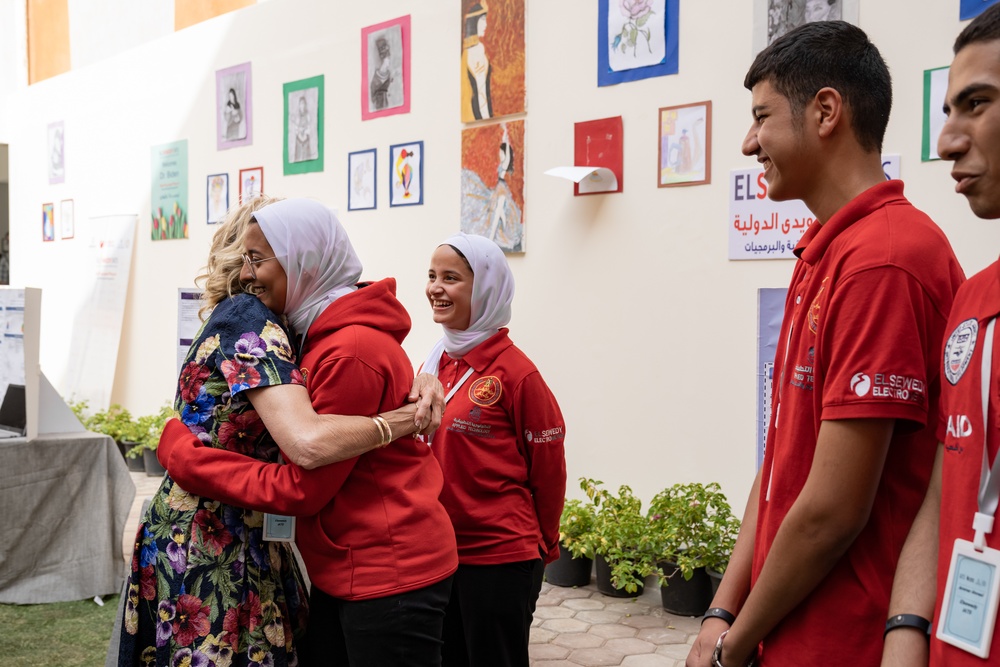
(573, 627)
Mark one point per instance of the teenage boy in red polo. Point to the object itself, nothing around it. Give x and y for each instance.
(856, 370)
(947, 522)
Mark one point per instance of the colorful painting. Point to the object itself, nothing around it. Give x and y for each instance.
(385, 69)
(251, 183)
(636, 39)
(66, 219)
(48, 222)
(598, 143)
(170, 191)
(362, 189)
(406, 174)
(493, 183)
(234, 108)
(685, 148)
(303, 149)
(216, 198)
(492, 59)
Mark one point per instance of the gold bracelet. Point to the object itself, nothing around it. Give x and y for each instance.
(384, 429)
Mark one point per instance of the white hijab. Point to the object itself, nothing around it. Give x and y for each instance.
(316, 254)
(492, 293)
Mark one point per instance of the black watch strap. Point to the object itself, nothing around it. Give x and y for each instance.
(907, 621)
(719, 612)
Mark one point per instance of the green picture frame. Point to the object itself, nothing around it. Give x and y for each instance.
(303, 136)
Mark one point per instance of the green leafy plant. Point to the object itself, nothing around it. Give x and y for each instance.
(576, 527)
(621, 535)
(693, 526)
(148, 429)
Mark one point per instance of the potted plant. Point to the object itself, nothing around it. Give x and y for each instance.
(574, 566)
(147, 431)
(620, 542)
(693, 528)
(116, 422)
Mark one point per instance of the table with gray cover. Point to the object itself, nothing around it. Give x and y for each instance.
(64, 500)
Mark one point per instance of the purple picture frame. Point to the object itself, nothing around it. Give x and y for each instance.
(233, 107)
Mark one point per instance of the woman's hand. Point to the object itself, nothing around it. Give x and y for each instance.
(428, 396)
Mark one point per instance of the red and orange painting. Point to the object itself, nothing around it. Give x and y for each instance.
(493, 183)
(492, 59)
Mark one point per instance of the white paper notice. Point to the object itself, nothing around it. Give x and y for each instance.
(591, 179)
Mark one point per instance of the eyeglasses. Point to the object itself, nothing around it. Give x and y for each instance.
(250, 264)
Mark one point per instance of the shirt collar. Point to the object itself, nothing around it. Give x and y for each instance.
(482, 355)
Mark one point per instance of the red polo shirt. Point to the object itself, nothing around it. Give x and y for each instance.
(961, 430)
(500, 446)
(861, 338)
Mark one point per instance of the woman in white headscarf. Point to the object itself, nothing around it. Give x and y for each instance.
(213, 576)
(500, 446)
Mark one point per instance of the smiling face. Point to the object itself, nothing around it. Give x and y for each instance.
(449, 288)
(271, 283)
(971, 136)
(778, 140)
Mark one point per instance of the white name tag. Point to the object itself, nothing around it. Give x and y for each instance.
(969, 608)
(278, 528)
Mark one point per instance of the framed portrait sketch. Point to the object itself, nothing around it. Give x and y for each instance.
(493, 58)
(493, 183)
(773, 18)
(233, 107)
(636, 39)
(48, 223)
(66, 224)
(251, 183)
(935, 89)
(303, 151)
(406, 174)
(216, 198)
(362, 189)
(385, 68)
(57, 158)
(685, 147)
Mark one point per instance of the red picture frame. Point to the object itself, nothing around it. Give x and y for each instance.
(251, 183)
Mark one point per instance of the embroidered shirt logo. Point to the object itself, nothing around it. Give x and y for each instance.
(959, 348)
(813, 316)
(485, 391)
(861, 384)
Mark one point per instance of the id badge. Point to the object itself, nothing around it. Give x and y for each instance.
(278, 528)
(969, 608)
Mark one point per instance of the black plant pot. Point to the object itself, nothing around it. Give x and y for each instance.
(135, 463)
(685, 597)
(569, 571)
(604, 584)
(716, 578)
(152, 464)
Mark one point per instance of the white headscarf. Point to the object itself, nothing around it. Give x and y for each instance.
(492, 293)
(316, 254)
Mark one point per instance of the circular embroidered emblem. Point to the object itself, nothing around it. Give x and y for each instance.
(485, 391)
(959, 348)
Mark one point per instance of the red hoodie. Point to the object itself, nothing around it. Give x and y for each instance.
(369, 527)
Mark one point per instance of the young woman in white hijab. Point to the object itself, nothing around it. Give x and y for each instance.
(219, 587)
(500, 446)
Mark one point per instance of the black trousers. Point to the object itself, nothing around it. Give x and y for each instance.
(400, 630)
(489, 616)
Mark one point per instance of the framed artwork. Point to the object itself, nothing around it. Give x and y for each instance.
(385, 68)
(251, 183)
(685, 148)
(493, 57)
(216, 198)
(493, 183)
(362, 189)
(598, 143)
(406, 174)
(304, 125)
(57, 158)
(970, 9)
(636, 39)
(773, 18)
(48, 223)
(935, 89)
(233, 107)
(66, 225)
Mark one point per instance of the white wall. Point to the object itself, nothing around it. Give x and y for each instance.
(626, 302)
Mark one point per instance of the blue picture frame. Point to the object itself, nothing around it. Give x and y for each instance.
(669, 65)
(362, 186)
(970, 9)
(411, 186)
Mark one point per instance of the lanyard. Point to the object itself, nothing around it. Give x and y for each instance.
(989, 479)
(429, 438)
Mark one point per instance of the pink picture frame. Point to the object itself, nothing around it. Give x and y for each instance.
(385, 68)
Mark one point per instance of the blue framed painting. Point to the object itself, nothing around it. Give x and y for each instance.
(406, 174)
(362, 186)
(970, 9)
(636, 39)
